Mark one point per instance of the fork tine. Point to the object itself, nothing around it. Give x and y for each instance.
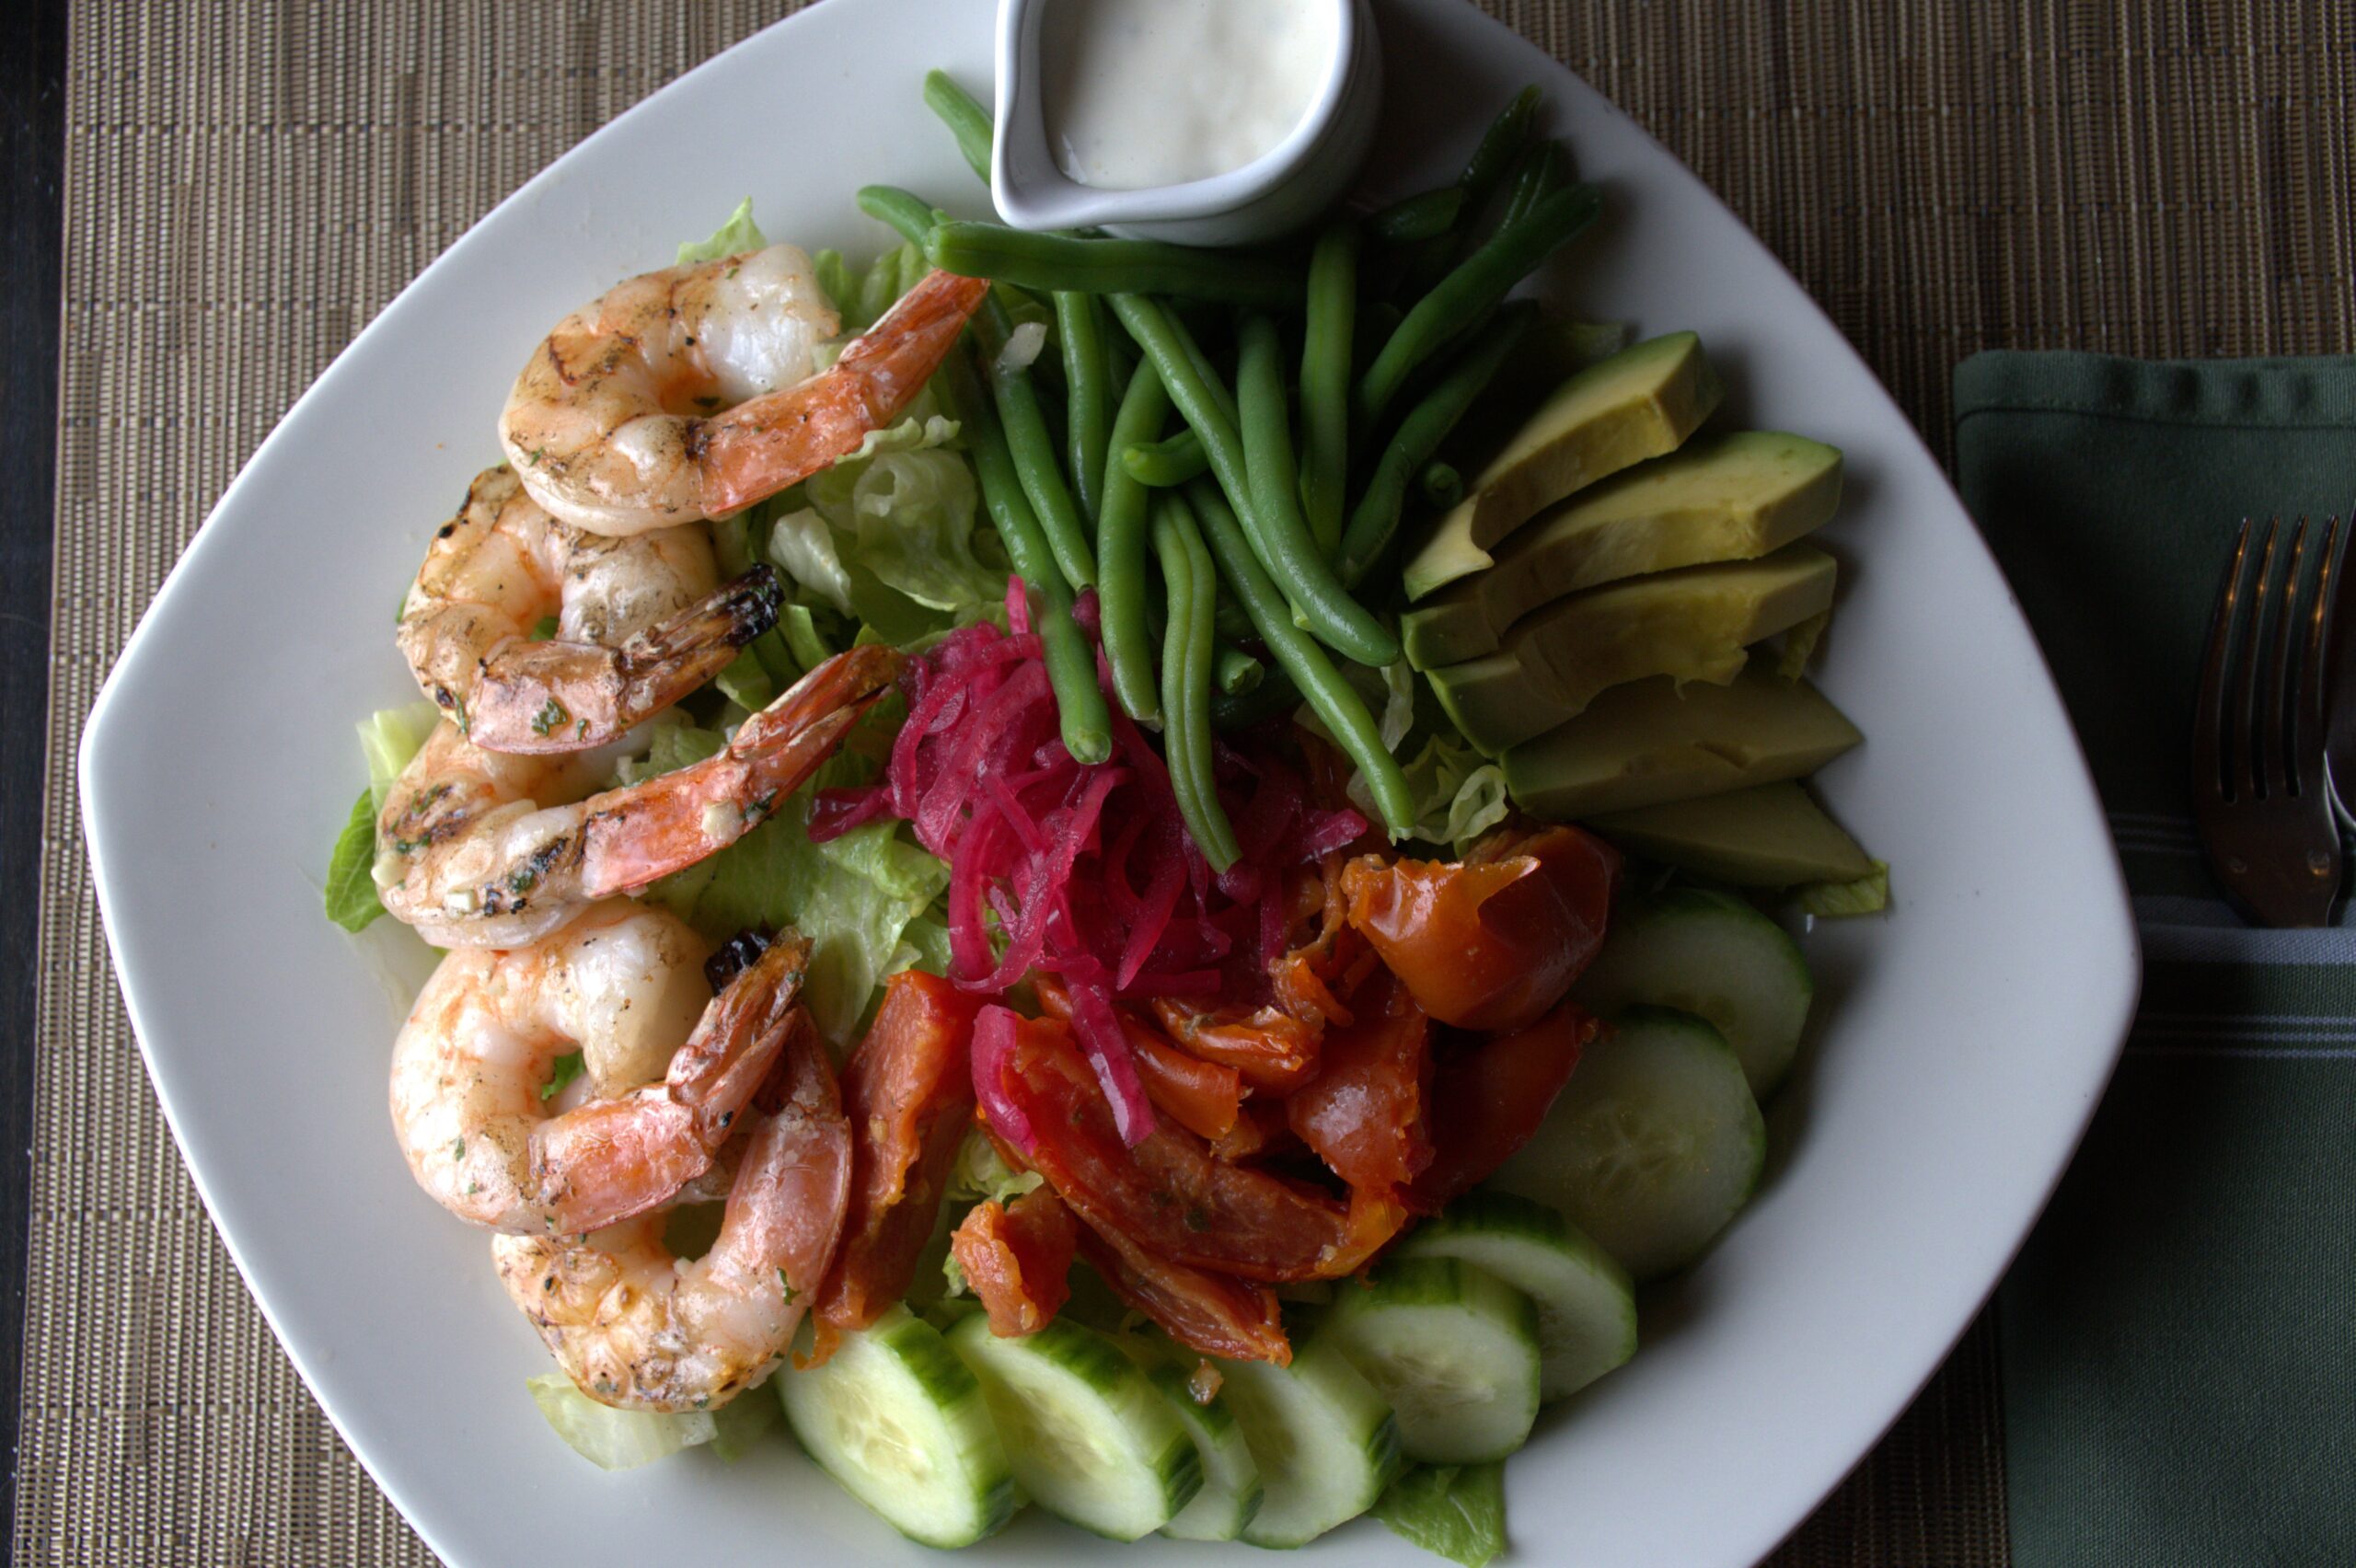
(2307, 710)
(2277, 774)
(2244, 772)
(2209, 710)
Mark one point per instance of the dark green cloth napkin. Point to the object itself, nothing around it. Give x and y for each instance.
(2179, 1335)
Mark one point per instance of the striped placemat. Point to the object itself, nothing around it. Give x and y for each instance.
(247, 183)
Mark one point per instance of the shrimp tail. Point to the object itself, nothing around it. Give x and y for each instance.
(533, 697)
(781, 438)
(609, 1160)
(634, 835)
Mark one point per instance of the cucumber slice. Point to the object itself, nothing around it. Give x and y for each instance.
(1231, 1490)
(614, 1440)
(1714, 955)
(1091, 1438)
(1324, 1441)
(1587, 1313)
(1654, 1144)
(897, 1420)
(1455, 1350)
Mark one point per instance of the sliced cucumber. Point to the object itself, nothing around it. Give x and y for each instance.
(1455, 1350)
(900, 1423)
(1587, 1313)
(1714, 955)
(1231, 1490)
(1324, 1441)
(1091, 1438)
(1654, 1144)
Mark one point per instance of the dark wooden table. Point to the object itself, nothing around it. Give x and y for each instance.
(32, 140)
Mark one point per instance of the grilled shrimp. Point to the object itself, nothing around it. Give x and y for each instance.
(640, 1329)
(483, 1038)
(475, 848)
(638, 622)
(695, 391)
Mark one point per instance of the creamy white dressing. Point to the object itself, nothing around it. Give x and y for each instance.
(1147, 93)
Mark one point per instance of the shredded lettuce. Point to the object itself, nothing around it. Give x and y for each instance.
(351, 892)
(617, 1439)
(1460, 794)
(1457, 1511)
(388, 738)
(979, 1172)
(853, 897)
(735, 237)
(1398, 704)
(802, 546)
(743, 1421)
(1869, 895)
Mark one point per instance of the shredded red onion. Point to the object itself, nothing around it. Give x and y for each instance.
(1087, 870)
(994, 1030)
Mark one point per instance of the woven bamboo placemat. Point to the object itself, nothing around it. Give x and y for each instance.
(247, 183)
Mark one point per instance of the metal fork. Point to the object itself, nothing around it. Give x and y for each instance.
(2258, 730)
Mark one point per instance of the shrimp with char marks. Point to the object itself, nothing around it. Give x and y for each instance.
(694, 391)
(640, 1328)
(483, 1039)
(640, 622)
(476, 848)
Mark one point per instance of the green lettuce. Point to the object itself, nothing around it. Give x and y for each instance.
(735, 237)
(617, 1439)
(1457, 1511)
(388, 738)
(853, 897)
(1459, 793)
(1869, 895)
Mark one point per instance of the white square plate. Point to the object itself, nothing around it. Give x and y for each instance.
(1964, 1040)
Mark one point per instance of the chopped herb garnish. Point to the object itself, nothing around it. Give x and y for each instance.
(568, 1068)
(549, 717)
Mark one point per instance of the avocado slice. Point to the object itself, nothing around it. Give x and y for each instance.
(1719, 498)
(1774, 835)
(1693, 624)
(1653, 740)
(1641, 402)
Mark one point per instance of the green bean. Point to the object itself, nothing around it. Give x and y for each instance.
(1085, 725)
(1200, 357)
(905, 211)
(1273, 521)
(1299, 657)
(1426, 215)
(1168, 462)
(1033, 443)
(1498, 144)
(1121, 548)
(1539, 174)
(1339, 618)
(1325, 382)
(1273, 696)
(1110, 266)
(1232, 623)
(1419, 435)
(1473, 290)
(1237, 670)
(1088, 395)
(1440, 483)
(1187, 656)
(966, 120)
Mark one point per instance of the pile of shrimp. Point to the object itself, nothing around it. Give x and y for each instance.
(677, 397)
